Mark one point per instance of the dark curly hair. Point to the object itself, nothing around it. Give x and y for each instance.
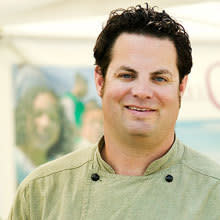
(144, 21)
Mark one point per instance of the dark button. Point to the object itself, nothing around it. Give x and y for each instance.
(169, 178)
(95, 177)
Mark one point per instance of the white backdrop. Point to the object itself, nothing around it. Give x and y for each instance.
(71, 49)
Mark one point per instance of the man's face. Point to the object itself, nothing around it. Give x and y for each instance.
(142, 90)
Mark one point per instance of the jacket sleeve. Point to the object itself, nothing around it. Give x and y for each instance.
(20, 209)
(212, 206)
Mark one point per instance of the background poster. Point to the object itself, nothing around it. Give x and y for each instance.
(201, 135)
(199, 121)
(58, 111)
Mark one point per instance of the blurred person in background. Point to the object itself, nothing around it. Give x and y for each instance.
(42, 131)
(72, 102)
(139, 169)
(92, 125)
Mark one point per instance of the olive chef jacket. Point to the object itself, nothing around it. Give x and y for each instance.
(181, 185)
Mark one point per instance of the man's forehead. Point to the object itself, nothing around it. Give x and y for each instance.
(140, 49)
(131, 42)
(147, 36)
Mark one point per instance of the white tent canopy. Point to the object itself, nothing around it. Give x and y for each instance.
(25, 11)
(74, 19)
(62, 32)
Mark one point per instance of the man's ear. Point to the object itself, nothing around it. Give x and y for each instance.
(99, 81)
(182, 85)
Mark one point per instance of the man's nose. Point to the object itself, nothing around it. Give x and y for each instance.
(142, 89)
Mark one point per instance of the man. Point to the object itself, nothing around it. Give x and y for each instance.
(138, 170)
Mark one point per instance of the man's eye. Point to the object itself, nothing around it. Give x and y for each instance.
(160, 79)
(126, 75)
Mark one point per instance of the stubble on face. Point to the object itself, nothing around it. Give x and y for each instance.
(115, 90)
(104, 82)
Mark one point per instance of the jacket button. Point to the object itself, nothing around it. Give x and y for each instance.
(169, 178)
(95, 177)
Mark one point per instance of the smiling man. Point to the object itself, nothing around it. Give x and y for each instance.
(141, 93)
(138, 169)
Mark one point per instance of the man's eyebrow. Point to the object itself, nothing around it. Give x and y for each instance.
(161, 71)
(157, 72)
(127, 68)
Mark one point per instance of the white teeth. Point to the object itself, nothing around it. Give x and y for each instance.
(137, 109)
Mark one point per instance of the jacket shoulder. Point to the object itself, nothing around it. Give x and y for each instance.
(70, 161)
(201, 163)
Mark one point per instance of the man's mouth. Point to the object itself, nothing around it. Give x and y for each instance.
(139, 109)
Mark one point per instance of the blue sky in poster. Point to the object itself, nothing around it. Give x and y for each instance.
(202, 135)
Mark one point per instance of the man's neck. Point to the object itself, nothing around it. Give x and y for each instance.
(131, 158)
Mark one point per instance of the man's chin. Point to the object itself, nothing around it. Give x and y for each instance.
(140, 132)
